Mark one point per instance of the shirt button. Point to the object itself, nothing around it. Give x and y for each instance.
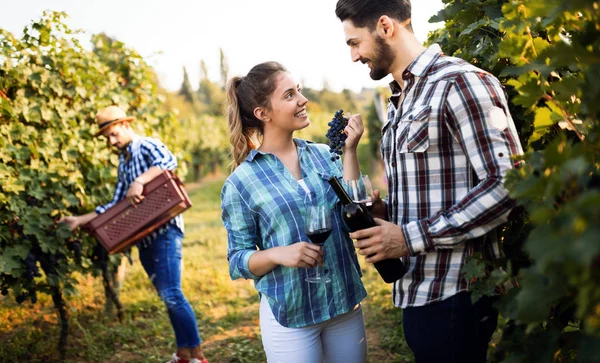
(393, 164)
(395, 126)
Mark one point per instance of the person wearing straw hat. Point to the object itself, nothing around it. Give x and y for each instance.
(141, 160)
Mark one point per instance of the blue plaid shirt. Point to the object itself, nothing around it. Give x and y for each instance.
(144, 153)
(263, 207)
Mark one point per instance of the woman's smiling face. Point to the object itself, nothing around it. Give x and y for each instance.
(288, 105)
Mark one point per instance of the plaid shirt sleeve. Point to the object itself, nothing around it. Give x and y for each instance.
(242, 232)
(477, 114)
(120, 192)
(159, 154)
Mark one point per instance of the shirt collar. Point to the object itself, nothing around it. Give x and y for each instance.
(129, 149)
(300, 144)
(420, 66)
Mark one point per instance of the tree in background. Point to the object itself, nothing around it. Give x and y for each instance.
(201, 114)
(203, 71)
(376, 117)
(211, 95)
(186, 90)
(547, 54)
(223, 68)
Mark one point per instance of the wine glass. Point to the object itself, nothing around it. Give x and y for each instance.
(361, 191)
(318, 228)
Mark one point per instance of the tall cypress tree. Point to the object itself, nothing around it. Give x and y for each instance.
(186, 88)
(224, 68)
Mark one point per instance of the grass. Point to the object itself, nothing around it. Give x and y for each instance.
(227, 311)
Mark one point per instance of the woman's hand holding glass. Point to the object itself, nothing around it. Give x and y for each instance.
(300, 254)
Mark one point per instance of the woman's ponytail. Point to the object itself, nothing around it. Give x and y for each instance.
(240, 139)
(244, 94)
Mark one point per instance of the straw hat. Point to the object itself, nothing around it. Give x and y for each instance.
(110, 116)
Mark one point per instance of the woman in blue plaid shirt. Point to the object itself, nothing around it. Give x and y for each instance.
(264, 201)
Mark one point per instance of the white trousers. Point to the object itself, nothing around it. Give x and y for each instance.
(342, 339)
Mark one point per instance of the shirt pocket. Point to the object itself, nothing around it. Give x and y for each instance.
(414, 137)
(329, 197)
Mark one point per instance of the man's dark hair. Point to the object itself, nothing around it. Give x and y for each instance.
(366, 13)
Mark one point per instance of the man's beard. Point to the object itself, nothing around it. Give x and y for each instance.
(382, 59)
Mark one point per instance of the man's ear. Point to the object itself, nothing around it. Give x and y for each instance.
(262, 114)
(385, 27)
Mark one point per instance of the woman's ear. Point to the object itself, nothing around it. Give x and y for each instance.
(262, 114)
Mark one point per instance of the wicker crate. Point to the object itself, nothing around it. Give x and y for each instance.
(122, 225)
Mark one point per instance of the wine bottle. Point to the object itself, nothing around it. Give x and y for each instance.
(356, 216)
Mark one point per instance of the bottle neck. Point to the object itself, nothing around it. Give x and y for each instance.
(339, 190)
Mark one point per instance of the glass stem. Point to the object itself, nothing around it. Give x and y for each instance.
(318, 271)
(319, 267)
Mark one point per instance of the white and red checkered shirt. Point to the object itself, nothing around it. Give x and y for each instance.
(447, 147)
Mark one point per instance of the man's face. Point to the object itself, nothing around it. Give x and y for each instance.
(118, 135)
(369, 49)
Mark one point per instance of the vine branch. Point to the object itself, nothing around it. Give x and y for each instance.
(548, 98)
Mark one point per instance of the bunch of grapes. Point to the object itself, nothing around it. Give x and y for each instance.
(336, 135)
(31, 273)
(75, 246)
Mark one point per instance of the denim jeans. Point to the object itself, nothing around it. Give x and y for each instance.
(162, 262)
(451, 330)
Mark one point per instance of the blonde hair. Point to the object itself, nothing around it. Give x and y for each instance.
(244, 94)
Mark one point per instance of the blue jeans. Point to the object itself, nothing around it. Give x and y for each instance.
(451, 330)
(162, 262)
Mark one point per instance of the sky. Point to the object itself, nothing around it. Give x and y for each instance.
(304, 35)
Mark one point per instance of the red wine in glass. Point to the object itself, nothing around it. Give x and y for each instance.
(317, 226)
(319, 236)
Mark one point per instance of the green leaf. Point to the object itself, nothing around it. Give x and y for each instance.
(7, 109)
(46, 113)
(473, 26)
(543, 118)
(11, 258)
(14, 187)
(474, 268)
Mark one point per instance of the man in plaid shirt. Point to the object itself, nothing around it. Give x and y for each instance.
(447, 146)
(141, 159)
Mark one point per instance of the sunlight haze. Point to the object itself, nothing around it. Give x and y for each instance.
(305, 36)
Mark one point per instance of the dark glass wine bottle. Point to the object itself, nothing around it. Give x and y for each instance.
(357, 217)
